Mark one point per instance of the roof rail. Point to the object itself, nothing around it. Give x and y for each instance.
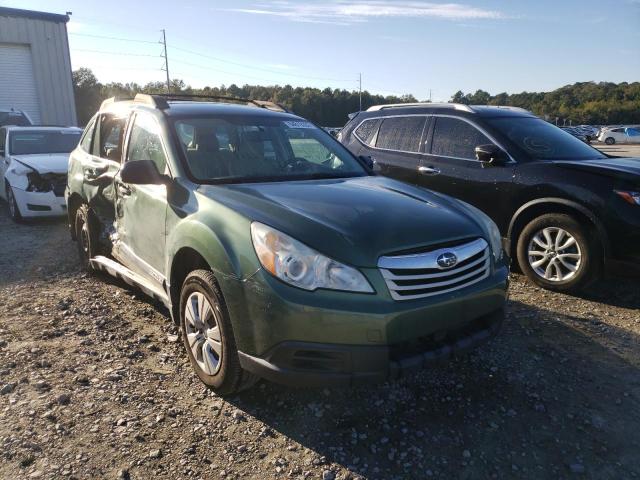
(161, 100)
(456, 106)
(111, 100)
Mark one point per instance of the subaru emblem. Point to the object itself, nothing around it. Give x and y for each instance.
(447, 260)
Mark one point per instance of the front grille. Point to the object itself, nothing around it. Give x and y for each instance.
(416, 276)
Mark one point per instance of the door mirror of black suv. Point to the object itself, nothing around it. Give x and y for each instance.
(142, 172)
(370, 162)
(491, 155)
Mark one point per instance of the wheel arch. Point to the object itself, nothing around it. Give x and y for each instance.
(541, 206)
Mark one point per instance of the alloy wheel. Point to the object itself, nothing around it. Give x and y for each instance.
(554, 254)
(202, 325)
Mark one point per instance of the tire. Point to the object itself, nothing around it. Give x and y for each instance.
(12, 204)
(214, 355)
(549, 266)
(609, 140)
(86, 237)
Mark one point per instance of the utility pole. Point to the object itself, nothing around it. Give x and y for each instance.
(166, 60)
(429, 95)
(360, 94)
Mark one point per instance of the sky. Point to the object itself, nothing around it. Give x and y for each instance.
(429, 49)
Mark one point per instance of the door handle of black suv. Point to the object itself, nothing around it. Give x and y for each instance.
(428, 171)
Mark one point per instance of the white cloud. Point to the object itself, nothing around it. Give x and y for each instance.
(345, 12)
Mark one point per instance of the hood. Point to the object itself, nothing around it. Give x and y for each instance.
(354, 220)
(612, 167)
(45, 163)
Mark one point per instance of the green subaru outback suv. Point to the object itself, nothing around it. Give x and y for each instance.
(279, 254)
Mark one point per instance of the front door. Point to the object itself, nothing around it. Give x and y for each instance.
(450, 166)
(141, 209)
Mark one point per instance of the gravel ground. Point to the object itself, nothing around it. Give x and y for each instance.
(95, 384)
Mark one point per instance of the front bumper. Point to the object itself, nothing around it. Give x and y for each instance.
(39, 204)
(314, 364)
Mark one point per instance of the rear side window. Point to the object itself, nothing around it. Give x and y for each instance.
(87, 137)
(367, 130)
(456, 138)
(401, 133)
(111, 133)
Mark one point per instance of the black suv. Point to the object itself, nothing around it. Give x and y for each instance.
(562, 207)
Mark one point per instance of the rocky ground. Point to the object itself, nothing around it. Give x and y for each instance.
(95, 384)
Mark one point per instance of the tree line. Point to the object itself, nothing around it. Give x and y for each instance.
(587, 102)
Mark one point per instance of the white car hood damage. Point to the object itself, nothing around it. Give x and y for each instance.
(46, 163)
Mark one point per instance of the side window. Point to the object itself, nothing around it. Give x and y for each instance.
(110, 135)
(3, 140)
(401, 133)
(367, 130)
(456, 138)
(87, 136)
(145, 143)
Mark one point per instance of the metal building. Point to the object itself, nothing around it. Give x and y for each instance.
(35, 66)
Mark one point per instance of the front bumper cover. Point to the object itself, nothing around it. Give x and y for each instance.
(319, 364)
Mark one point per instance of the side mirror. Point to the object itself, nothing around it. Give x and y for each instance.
(370, 162)
(491, 155)
(142, 172)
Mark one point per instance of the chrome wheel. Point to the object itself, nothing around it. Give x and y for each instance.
(202, 325)
(554, 254)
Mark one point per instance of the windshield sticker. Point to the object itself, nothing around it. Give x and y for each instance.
(298, 124)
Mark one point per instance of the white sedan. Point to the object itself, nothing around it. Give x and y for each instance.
(620, 135)
(33, 169)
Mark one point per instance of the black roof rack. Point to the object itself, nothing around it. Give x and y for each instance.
(161, 100)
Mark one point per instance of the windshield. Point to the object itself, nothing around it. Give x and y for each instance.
(542, 140)
(43, 141)
(245, 149)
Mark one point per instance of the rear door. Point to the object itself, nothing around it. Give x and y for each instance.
(396, 146)
(450, 166)
(141, 209)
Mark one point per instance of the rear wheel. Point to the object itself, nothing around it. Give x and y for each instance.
(558, 253)
(208, 337)
(86, 237)
(14, 211)
(609, 140)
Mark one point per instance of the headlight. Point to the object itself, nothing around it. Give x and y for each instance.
(490, 227)
(37, 183)
(630, 197)
(300, 266)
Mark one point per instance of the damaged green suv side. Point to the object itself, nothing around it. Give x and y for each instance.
(277, 251)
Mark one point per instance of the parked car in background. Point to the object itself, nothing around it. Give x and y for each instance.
(586, 133)
(563, 207)
(275, 249)
(620, 135)
(33, 169)
(14, 117)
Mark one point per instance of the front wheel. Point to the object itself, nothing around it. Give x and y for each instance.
(86, 237)
(558, 253)
(609, 140)
(208, 337)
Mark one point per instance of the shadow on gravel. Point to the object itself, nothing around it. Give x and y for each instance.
(553, 395)
(620, 291)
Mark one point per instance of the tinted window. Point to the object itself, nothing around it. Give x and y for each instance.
(14, 118)
(401, 133)
(367, 130)
(248, 149)
(618, 130)
(145, 143)
(111, 133)
(34, 142)
(456, 138)
(543, 141)
(3, 138)
(85, 143)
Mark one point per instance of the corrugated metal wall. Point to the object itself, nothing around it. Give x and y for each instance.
(51, 64)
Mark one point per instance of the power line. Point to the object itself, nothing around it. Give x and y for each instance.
(253, 67)
(111, 38)
(105, 52)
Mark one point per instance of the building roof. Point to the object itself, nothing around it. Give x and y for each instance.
(49, 17)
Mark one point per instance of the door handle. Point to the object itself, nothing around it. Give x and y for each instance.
(428, 171)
